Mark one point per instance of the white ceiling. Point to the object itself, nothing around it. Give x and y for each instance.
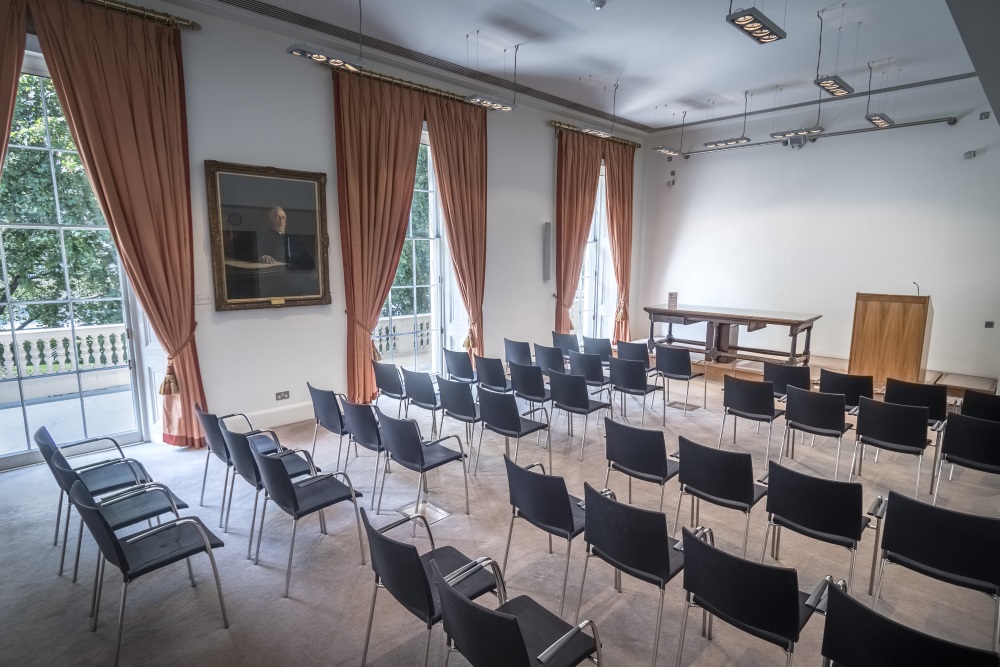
(677, 54)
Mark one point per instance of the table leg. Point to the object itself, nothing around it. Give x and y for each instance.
(794, 333)
(726, 339)
(805, 352)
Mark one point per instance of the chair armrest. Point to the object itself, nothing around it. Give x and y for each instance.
(238, 414)
(149, 532)
(938, 427)
(606, 492)
(141, 489)
(548, 654)
(312, 480)
(854, 411)
(878, 507)
(350, 486)
(702, 533)
(406, 519)
(676, 455)
(461, 449)
(111, 462)
(763, 478)
(288, 452)
(538, 409)
(98, 439)
(783, 398)
(481, 563)
(817, 601)
(537, 464)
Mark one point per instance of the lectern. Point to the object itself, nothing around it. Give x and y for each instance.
(891, 336)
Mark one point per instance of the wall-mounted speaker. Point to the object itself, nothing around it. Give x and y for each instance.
(547, 251)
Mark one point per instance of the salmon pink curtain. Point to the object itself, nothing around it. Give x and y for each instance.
(121, 85)
(458, 136)
(378, 135)
(578, 170)
(12, 36)
(619, 169)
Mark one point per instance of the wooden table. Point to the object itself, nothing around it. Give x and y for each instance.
(721, 342)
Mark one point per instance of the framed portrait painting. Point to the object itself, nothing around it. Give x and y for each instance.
(269, 237)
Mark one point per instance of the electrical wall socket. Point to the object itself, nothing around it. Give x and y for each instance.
(989, 325)
(984, 115)
(281, 395)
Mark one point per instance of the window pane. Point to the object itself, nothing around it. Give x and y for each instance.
(404, 270)
(54, 402)
(11, 417)
(28, 127)
(26, 195)
(42, 340)
(402, 303)
(77, 203)
(422, 261)
(107, 401)
(420, 215)
(93, 264)
(420, 182)
(403, 353)
(59, 136)
(423, 300)
(34, 264)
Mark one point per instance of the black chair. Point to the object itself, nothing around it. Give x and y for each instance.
(590, 367)
(674, 363)
(718, 477)
(458, 365)
(761, 600)
(491, 374)
(529, 383)
(298, 499)
(628, 378)
(543, 501)
(856, 636)
(567, 342)
(363, 429)
(146, 551)
(635, 352)
(518, 633)
(957, 548)
(458, 403)
(631, 540)
(389, 383)
(406, 575)
(783, 376)
(853, 387)
(401, 439)
(517, 352)
(549, 359)
(500, 415)
(326, 410)
(420, 392)
(751, 400)
(820, 509)
(934, 397)
(638, 453)
(570, 394)
(981, 405)
(816, 413)
(897, 428)
(599, 346)
(970, 443)
(217, 446)
(239, 446)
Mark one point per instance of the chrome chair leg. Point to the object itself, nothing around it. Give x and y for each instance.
(878, 584)
(260, 531)
(253, 522)
(121, 621)
(659, 623)
(368, 632)
(291, 550)
(204, 480)
(937, 482)
(315, 433)
(677, 519)
(99, 589)
(784, 444)
(62, 558)
(583, 580)
(79, 543)
(763, 548)
(229, 503)
(506, 551)
(225, 484)
(465, 480)
(836, 469)
(340, 446)
(97, 580)
(722, 430)
(55, 538)
(562, 602)
(687, 396)
(375, 480)
(920, 461)
(850, 572)
(746, 535)
(684, 622)
(427, 646)
(583, 443)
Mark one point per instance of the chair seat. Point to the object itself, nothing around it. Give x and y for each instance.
(759, 492)
(593, 406)
(468, 419)
(296, 466)
(650, 388)
(941, 575)
(435, 455)
(529, 426)
(669, 568)
(893, 447)
(448, 560)
(974, 465)
(502, 389)
(756, 418)
(541, 628)
(579, 521)
(826, 432)
(314, 496)
(389, 394)
(436, 405)
(683, 378)
(673, 467)
(535, 399)
(165, 547)
(829, 538)
(140, 507)
(805, 613)
(113, 477)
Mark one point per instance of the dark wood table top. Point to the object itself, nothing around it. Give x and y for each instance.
(711, 313)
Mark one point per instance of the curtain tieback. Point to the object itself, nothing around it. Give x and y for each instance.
(622, 313)
(375, 353)
(567, 306)
(170, 386)
(467, 343)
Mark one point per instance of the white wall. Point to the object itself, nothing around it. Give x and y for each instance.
(804, 230)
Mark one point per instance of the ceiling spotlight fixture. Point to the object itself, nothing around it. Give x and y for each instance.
(593, 130)
(880, 120)
(490, 102)
(598, 4)
(754, 24)
(674, 152)
(784, 134)
(834, 85)
(742, 139)
(324, 56)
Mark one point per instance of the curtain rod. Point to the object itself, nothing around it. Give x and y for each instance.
(146, 14)
(573, 128)
(396, 81)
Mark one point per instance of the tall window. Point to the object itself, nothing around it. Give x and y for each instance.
(64, 348)
(593, 311)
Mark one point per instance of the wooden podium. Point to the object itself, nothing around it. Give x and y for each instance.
(891, 336)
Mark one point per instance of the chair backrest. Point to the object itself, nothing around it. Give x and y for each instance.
(971, 440)
(541, 499)
(387, 379)
(854, 635)
(822, 505)
(816, 409)
(751, 397)
(599, 346)
(627, 374)
(499, 411)
(549, 359)
(399, 568)
(756, 595)
(517, 352)
(587, 365)
(54, 459)
(783, 376)
(362, 424)
(716, 472)
(673, 361)
(629, 538)
(569, 391)
(484, 637)
(274, 477)
(326, 409)
(637, 449)
(633, 352)
(401, 437)
(458, 365)
(934, 397)
(491, 374)
(567, 342)
(889, 422)
(456, 397)
(954, 542)
(213, 436)
(981, 405)
(99, 527)
(527, 380)
(419, 387)
(239, 449)
(853, 387)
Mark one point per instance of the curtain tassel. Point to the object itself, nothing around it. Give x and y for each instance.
(467, 343)
(169, 386)
(375, 353)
